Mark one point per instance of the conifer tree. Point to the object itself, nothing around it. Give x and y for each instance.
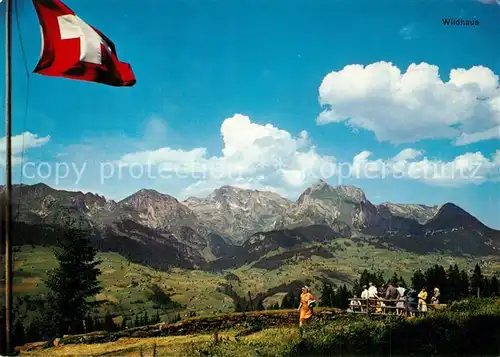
(494, 288)
(109, 323)
(19, 337)
(477, 281)
(145, 319)
(124, 323)
(74, 281)
(418, 279)
(326, 295)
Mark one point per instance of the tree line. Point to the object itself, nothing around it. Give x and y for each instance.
(70, 307)
(454, 284)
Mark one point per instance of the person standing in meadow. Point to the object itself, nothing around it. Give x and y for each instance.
(307, 302)
(412, 301)
(435, 296)
(422, 301)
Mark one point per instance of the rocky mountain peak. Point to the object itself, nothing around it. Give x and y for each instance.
(321, 190)
(238, 212)
(316, 190)
(159, 210)
(420, 213)
(450, 216)
(320, 185)
(145, 198)
(354, 193)
(224, 192)
(192, 200)
(38, 190)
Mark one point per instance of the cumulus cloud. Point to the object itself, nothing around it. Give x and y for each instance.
(269, 158)
(250, 151)
(468, 168)
(24, 141)
(404, 107)
(254, 156)
(465, 139)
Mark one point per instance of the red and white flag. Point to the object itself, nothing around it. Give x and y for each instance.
(73, 49)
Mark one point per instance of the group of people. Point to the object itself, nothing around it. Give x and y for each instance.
(394, 299)
(402, 301)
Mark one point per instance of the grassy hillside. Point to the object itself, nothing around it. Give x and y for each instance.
(465, 328)
(347, 261)
(127, 286)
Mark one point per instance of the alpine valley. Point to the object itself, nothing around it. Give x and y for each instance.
(209, 253)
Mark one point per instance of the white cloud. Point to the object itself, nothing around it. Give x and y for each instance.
(465, 139)
(464, 169)
(262, 156)
(24, 141)
(414, 105)
(256, 156)
(250, 151)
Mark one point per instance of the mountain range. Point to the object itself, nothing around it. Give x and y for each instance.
(234, 226)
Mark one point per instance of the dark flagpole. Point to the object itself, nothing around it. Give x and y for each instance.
(8, 178)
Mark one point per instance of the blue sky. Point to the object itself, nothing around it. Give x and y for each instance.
(257, 94)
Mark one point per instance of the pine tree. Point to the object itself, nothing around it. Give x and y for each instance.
(464, 284)
(485, 292)
(124, 324)
(357, 288)
(32, 333)
(418, 280)
(137, 322)
(89, 323)
(250, 305)
(394, 279)
(74, 281)
(145, 319)
(344, 295)
(326, 295)
(19, 338)
(379, 279)
(259, 306)
(453, 278)
(98, 325)
(109, 323)
(435, 276)
(494, 288)
(237, 307)
(365, 278)
(285, 303)
(175, 318)
(402, 282)
(476, 281)
(156, 318)
(290, 301)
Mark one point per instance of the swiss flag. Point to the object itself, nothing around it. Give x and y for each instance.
(73, 49)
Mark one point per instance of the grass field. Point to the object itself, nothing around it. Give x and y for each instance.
(175, 346)
(349, 261)
(465, 328)
(127, 285)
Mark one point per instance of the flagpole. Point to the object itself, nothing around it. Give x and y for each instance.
(8, 178)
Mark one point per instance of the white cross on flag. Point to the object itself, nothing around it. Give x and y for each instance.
(73, 49)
